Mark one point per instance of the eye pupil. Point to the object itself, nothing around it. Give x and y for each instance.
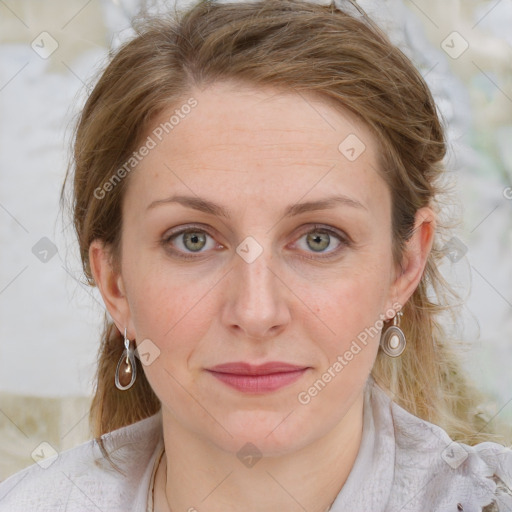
(319, 238)
(194, 237)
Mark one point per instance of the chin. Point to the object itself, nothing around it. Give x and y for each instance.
(268, 434)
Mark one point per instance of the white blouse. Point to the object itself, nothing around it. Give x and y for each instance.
(404, 464)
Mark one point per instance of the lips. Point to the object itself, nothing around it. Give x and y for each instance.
(242, 368)
(257, 379)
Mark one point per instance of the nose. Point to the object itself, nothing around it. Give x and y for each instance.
(256, 300)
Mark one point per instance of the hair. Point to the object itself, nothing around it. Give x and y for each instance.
(295, 46)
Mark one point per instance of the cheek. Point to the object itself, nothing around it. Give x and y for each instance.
(351, 308)
(173, 309)
(162, 308)
(352, 301)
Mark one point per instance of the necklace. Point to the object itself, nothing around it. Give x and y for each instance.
(157, 468)
(155, 472)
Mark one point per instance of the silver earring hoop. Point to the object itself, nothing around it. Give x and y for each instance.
(393, 340)
(126, 371)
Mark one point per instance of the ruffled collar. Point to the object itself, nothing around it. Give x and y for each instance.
(407, 464)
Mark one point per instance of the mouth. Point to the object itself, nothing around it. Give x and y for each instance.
(257, 378)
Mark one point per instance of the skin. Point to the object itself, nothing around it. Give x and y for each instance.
(256, 151)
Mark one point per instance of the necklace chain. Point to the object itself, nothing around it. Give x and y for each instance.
(167, 499)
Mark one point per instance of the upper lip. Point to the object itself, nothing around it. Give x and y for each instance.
(242, 368)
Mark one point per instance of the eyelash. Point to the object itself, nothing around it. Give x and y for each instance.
(344, 240)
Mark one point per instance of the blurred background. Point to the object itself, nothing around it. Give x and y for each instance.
(50, 319)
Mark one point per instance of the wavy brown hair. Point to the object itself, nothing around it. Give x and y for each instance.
(298, 47)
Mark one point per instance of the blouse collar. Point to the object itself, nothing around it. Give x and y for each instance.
(407, 464)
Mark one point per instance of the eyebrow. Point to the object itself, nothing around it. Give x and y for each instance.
(207, 206)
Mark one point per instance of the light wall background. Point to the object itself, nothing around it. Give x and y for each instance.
(50, 320)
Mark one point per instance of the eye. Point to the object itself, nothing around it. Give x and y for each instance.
(194, 240)
(320, 238)
(189, 240)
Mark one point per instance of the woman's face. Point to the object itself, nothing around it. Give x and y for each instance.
(287, 258)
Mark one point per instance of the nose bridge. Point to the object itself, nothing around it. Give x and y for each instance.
(256, 301)
(257, 280)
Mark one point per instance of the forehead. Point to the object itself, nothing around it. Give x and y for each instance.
(262, 142)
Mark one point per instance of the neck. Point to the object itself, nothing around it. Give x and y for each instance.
(196, 475)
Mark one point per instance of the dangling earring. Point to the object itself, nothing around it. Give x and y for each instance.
(393, 339)
(126, 370)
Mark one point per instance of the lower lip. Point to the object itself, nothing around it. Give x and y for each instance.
(259, 383)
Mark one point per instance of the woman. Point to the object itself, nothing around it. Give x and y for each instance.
(256, 193)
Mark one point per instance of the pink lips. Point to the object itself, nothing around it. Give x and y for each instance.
(257, 379)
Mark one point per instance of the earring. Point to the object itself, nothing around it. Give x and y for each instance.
(126, 370)
(393, 339)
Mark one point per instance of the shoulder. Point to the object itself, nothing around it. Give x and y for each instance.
(432, 468)
(82, 479)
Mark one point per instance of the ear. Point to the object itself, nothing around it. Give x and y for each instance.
(415, 256)
(110, 285)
